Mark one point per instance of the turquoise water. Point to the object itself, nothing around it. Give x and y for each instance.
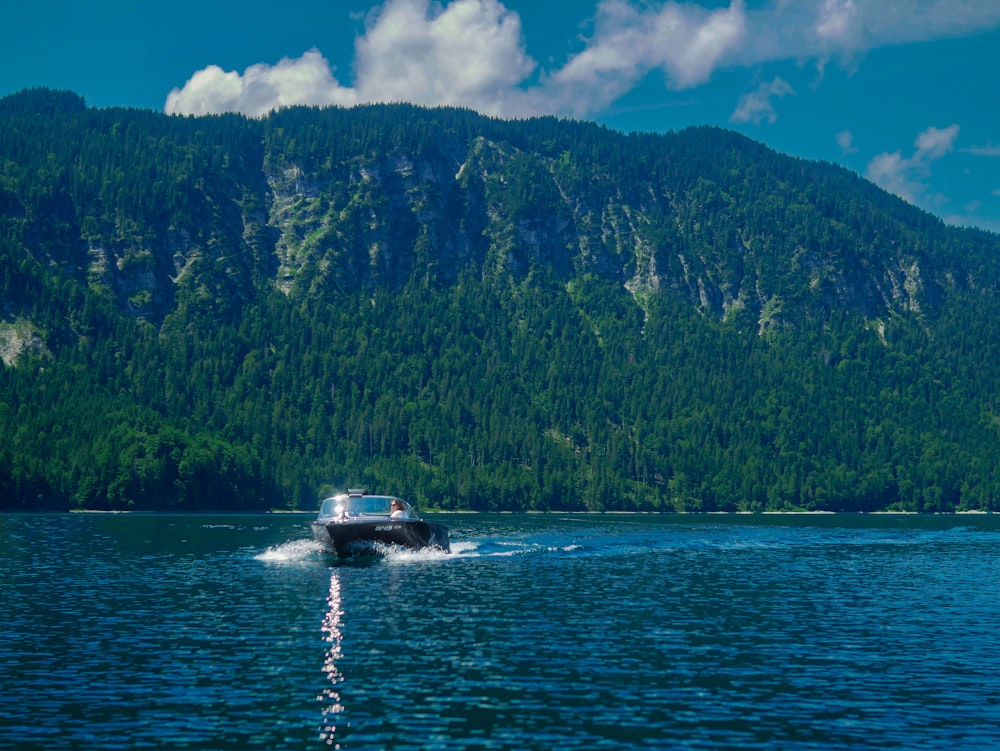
(537, 632)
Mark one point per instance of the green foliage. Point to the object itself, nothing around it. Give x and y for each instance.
(217, 313)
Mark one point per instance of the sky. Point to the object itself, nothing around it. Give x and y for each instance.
(905, 93)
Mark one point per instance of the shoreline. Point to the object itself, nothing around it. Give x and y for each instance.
(115, 512)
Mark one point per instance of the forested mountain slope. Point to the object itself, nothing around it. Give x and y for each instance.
(240, 314)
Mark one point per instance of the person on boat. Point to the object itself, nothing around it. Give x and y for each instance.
(399, 510)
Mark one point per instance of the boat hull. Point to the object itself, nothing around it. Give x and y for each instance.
(355, 537)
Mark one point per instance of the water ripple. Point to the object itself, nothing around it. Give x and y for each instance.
(536, 632)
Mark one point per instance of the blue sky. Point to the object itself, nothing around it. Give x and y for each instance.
(904, 92)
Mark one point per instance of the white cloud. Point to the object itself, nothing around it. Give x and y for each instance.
(845, 140)
(934, 143)
(261, 88)
(468, 53)
(819, 29)
(836, 19)
(757, 105)
(902, 21)
(906, 177)
(472, 53)
(686, 42)
(892, 172)
(987, 150)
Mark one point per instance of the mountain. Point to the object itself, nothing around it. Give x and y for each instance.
(240, 314)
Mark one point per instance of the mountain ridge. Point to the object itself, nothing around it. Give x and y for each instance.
(134, 243)
(550, 206)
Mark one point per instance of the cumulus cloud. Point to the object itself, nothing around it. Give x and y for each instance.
(261, 88)
(469, 53)
(686, 42)
(757, 106)
(472, 53)
(906, 176)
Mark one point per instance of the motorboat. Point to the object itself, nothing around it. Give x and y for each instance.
(356, 523)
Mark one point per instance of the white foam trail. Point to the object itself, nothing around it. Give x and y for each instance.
(397, 554)
(289, 552)
(464, 549)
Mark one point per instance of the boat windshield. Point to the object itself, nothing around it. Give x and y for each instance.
(352, 506)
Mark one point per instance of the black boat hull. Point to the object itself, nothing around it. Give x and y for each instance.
(356, 537)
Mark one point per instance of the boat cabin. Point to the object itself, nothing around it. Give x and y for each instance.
(358, 504)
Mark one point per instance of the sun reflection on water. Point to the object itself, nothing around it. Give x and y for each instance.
(332, 634)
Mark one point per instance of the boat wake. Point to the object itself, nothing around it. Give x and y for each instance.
(305, 551)
(503, 548)
(399, 554)
(310, 551)
(629, 540)
(294, 551)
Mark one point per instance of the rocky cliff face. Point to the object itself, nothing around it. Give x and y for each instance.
(507, 211)
(161, 213)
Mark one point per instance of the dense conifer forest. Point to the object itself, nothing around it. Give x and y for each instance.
(220, 313)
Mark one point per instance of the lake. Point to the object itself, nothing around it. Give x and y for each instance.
(536, 632)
